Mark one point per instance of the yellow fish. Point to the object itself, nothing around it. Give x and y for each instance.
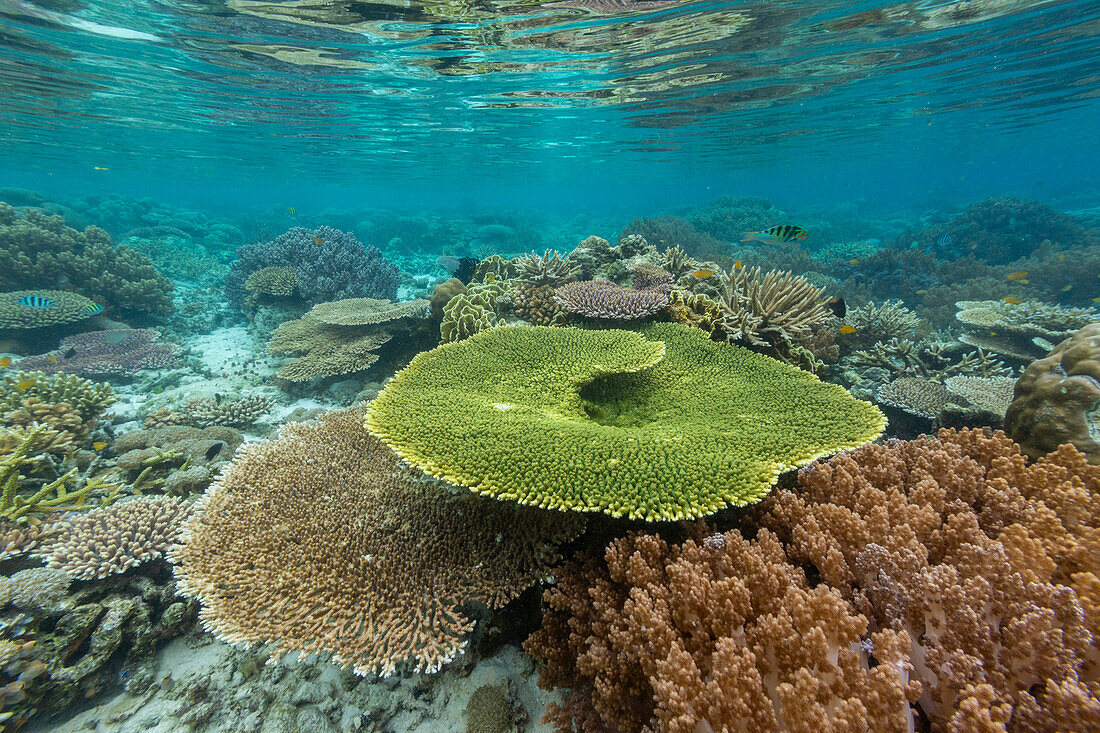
(5, 362)
(737, 264)
(318, 240)
(703, 274)
(1025, 282)
(1067, 288)
(1017, 275)
(853, 261)
(847, 329)
(1012, 299)
(52, 359)
(921, 292)
(490, 277)
(99, 446)
(974, 246)
(100, 168)
(1061, 258)
(291, 210)
(992, 333)
(25, 384)
(1096, 300)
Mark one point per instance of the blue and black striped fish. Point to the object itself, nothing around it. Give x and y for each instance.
(782, 234)
(36, 301)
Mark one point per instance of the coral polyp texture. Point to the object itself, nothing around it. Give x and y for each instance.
(106, 353)
(324, 541)
(663, 424)
(366, 311)
(1057, 398)
(21, 309)
(325, 350)
(279, 281)
(605, 300)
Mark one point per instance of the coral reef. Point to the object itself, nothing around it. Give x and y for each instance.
(537, 305)
(330, 264)
(106, 353)
(280, 281)
(1057, 399)
(178, 460)
(989, 394)
(727, 217)
(38, 250)
(915, 395)
(89, 399)
(1020, 331)
(367, 311)
(591, 256)
(605, 300)
(324, 350)
(441, 295)
(323, 541)
(113, 539)
(209, 412)
(546, 269)
(875, 322)
(665, 426)
(665, 232)
(63, 307)
(770, 309)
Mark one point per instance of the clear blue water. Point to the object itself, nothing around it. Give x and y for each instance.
(594, 104)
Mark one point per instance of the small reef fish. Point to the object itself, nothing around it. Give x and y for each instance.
(5, 362)
(36, 301)
(100, 168)
(25, 384)
(1012, 299)
(1067, 288)
(782, 234)
(317, 240)
(99, 446)
(214, 450)
(847, 329)
(291, 210)
(702, 274)
(738, 264)
(1025, 282)
(853, 261)
(116, 337)
(1096, 300)
(93, 308)
(945, 240)
(52, 359)
(1017, 275)
(838, 307)
(922, 292)
(69, 354)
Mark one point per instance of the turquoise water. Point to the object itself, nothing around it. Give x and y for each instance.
(587, 366)
(562, 105)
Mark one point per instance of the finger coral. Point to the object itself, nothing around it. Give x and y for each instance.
(718, 633)
(1057, 398)
(973, 552)
(324, 541)
(668, 425)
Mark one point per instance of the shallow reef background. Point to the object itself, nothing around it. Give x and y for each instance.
(178, 342)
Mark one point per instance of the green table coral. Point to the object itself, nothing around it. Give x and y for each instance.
(659, 425)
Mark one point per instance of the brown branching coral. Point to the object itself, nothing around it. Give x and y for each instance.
(113, 539)
(770, 308)
(324, 541)
(876, 322)
(549, 268)
(716, 634)
(973, 552)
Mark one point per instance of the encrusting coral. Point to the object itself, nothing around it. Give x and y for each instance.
(324, 541)
(1057, 398)
(113, 539)
(63, 307)
(665, 425)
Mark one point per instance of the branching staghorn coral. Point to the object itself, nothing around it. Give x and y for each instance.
(1020, 331)
(545, 269)
(906, 358)
(879, 322)
(324, 541)
(770, 309)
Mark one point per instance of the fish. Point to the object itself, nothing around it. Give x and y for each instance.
(1025, 282)
(702, 274)
(847, 329)
(93, 308)
(837, 306)
(945, 240)
(922, 292)
(1096, 300)
(5, 362)
(467, 267)
(291, 210)
(738, 264)
(317, 240)
(1067, 288)
(782, 234)
(26, 384)
(99, 446)
(69, 354)
(214, 450)
(100, 168)
(36, 301)
(52, 359)
(853, 261)
(490, 277)
(116, 337)
(974, 246)
(1017, 275)
(1012, 299)
(1061, 258)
